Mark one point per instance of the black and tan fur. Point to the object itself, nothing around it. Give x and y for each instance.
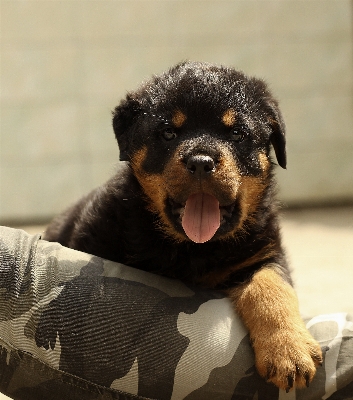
(200, 127)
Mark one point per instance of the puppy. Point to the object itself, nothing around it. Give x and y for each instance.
(196, 201)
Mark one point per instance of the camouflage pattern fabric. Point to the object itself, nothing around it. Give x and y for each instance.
(74, 326)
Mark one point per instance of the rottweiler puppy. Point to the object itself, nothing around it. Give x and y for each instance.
(195, 201)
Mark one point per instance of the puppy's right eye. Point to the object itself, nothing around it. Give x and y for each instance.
(168, 134)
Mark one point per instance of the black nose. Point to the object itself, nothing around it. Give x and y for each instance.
(200, 165)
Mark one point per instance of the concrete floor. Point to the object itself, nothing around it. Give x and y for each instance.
(319, 245)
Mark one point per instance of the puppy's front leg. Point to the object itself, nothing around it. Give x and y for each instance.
(285, 352)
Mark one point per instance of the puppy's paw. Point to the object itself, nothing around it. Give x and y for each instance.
(287, 358)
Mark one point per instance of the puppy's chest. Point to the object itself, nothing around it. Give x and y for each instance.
(181, 262)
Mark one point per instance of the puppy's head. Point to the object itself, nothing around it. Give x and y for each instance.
(198, 139)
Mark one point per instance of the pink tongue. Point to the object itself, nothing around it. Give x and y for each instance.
(201, 217)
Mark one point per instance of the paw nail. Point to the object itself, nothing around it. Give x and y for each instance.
(307, 380)
(290, 382)
(271, 371)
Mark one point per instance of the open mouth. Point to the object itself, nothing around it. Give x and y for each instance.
(201, 216)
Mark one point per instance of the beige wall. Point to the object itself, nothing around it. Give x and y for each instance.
(66, 64)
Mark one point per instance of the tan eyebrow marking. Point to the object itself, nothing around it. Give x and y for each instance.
(178, 119)
(229, 117)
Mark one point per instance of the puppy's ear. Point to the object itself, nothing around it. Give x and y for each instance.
(277, 137)
(123, 118)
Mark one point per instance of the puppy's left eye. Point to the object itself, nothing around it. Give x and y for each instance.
(237, 135)
(169, 134)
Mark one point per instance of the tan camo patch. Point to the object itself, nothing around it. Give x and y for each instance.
(229, 117)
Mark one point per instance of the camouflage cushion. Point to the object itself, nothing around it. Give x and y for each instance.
(74, 326)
